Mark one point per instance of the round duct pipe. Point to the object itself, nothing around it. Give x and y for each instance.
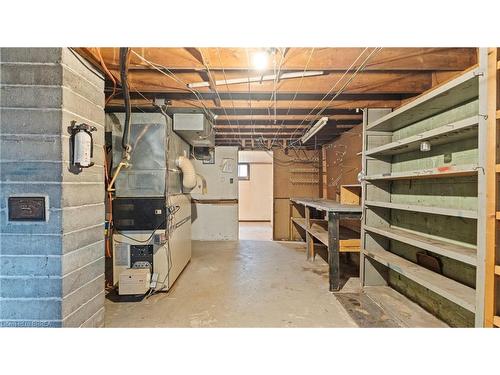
(188, 172)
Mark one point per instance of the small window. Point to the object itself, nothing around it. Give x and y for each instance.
(244, 171)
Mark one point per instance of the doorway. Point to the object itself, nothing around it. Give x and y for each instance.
(255, 202)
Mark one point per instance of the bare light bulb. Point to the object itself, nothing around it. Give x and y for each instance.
(260, 60)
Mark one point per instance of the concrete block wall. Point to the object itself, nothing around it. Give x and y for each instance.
(51, 273)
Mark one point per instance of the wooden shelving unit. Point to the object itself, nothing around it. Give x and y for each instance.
(448, 171)
(418, 201)
(452, 132)
(492, 289)
(471, 214)
(322, 223)
(465, 254)
(349, 240)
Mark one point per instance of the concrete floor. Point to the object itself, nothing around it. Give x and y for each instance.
(256, 230)
(262, 284)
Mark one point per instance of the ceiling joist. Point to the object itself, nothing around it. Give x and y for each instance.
(273, 108)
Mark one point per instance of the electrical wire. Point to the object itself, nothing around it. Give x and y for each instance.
(360, 68)
(215, 89)
(274, 95)
(169, 73)
(110, 75)
(250, 96)
(328, 93)
(124, 55)
(294, 96)
(230, 95)
(85, 63)
(110, 208)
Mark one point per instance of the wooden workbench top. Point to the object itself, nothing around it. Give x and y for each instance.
(327, 205)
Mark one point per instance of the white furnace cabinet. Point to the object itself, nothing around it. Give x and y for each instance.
(214, 214)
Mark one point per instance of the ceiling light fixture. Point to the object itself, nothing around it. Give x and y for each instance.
(267, 77)
(260, 60)
(316, 128)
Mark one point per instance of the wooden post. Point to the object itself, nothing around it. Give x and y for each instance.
(309, 239)
(333, 251)
(491, 177)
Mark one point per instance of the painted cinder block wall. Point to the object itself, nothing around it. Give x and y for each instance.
(51, 273)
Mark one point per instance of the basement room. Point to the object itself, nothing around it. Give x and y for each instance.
(168, 181)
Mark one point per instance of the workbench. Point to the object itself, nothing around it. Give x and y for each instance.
(328, 231)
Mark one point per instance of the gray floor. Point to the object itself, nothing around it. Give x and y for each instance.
(256, 230)
(264, 284)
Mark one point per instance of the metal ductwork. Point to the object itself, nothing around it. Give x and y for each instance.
(195, 129)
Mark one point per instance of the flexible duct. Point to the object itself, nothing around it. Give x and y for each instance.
(188, 172)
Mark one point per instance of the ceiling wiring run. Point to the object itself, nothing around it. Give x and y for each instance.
(167, 72)
(228, 90)
(278, 132)
(344, 86)
(330, 91)
(217, 92)
(271, 101)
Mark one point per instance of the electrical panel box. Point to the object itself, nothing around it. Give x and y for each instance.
(195, 129)
(134, 281)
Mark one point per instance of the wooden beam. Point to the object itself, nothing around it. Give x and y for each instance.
(265, 96)
(205, 74)
(235, 125)
(285, 122)
(381, 101)
(270, 117)
(373, 82)
(282, 112)
(430, 59)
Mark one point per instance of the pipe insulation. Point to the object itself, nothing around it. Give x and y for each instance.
(188, 172)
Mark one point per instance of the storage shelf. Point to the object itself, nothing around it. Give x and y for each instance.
(445, 171)
(349, 240)
(459, 90)
(452, 132)
(300, 222)
(460, 294)
(425, 209)
(458, 252)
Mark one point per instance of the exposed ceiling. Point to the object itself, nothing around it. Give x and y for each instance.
(277, 110)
